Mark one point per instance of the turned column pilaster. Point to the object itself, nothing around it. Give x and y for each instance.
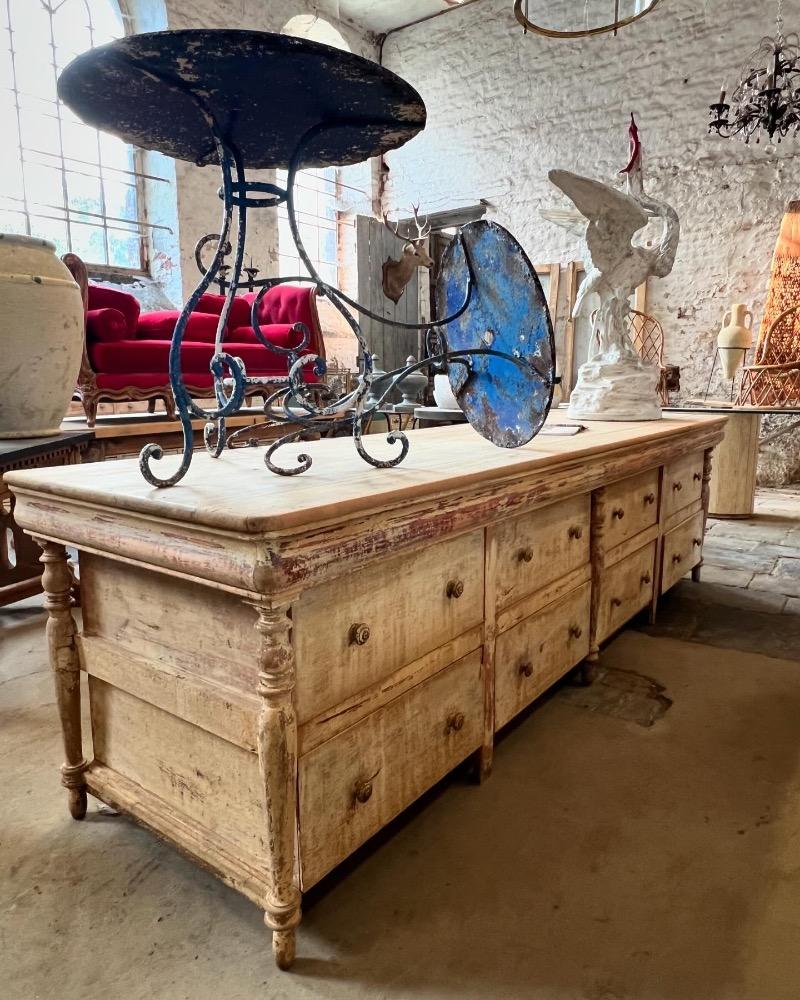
(588, 670)
(61, 630)
(277, 755)
(705, 497)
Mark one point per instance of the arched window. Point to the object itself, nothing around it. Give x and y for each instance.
(59, 178)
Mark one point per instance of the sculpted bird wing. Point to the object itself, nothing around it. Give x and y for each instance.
(601, 204)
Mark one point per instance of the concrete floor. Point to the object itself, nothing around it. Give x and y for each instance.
(637, 841)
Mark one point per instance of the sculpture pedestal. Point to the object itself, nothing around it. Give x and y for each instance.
(616, 390)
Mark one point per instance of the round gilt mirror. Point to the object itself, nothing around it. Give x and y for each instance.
(579, 18)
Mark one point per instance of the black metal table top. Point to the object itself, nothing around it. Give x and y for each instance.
(263, 91)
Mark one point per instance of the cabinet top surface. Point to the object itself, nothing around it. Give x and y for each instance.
(236, 492)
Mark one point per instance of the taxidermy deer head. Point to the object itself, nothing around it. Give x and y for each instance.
(397, 273)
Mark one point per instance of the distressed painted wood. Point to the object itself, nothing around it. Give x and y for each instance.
(278, 667)
(61, 629)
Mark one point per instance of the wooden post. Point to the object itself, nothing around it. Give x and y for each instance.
(705, 495)
(61, 629)
(486, 752)
(277, 755)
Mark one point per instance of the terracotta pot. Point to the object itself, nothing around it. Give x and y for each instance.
(735, 338)
(41, 337)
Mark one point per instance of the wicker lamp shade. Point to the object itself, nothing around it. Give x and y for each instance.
(784, 281)
(773, 379)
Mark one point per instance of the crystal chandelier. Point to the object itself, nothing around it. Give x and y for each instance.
(766, 100)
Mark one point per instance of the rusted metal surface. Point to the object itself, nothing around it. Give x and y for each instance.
(261, 91)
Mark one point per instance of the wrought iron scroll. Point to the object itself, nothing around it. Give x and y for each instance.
(294, 401)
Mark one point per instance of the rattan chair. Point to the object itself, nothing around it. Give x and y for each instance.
(774, 377)
(647, 335)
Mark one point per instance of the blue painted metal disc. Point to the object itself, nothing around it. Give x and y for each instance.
(505, 402)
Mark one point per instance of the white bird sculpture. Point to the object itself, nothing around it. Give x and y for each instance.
(615, 383)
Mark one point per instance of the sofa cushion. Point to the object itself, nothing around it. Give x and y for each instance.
(280, 334)
(239, 314)
(200, 327)
(107, 325)
(132, 356)
(111, 298)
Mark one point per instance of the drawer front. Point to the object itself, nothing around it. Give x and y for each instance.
(631, 506)
(355, 631)
(353, 785)
(683, 482)
(533, 654)
(537, 548)
(683, 549)
(625, 588)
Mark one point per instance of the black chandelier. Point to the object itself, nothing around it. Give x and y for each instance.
(766, 100)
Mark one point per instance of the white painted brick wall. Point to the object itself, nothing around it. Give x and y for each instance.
(504, 108)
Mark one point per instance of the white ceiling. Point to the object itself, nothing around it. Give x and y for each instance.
(381, 16)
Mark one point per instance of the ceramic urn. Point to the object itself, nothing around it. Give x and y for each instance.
(41, 337)
(735, 338)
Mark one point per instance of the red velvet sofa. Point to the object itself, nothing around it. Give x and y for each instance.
(126, 351)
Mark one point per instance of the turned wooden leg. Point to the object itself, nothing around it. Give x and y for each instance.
(57, 585)
(90, 409)
(277, 756)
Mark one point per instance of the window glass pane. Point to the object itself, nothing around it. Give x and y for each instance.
(124, 249)
(6, 69)
(114, 152)
(87, 242)
(12, 222)
(39, 125)
(85, 194)
(51, 229)
(120, 199)
(79, 140)
(43, 186)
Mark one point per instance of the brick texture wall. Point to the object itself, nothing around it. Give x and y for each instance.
(505, 108)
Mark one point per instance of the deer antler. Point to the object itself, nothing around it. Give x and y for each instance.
(392, 228)
(423, 229)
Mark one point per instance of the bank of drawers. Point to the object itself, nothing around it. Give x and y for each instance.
(625, 588)
(354, 784)
(536, 549)
(372, 622)
(683, 484)
(683, 550)
(630, 507)
(535, 653)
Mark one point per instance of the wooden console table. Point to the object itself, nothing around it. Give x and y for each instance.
(278, 667)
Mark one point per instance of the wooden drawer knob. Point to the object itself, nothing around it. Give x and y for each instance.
(646, 578)
(455, 722)
(525, 555)
(576, 531)
(697, 541)
(618, 513)
(575, 631)
(526, 669)
(359, 634)
(363, 792)
(649, 498)
(697, 477)
(677, 487)
(616, 602)
(455, 588)
(677, 558)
